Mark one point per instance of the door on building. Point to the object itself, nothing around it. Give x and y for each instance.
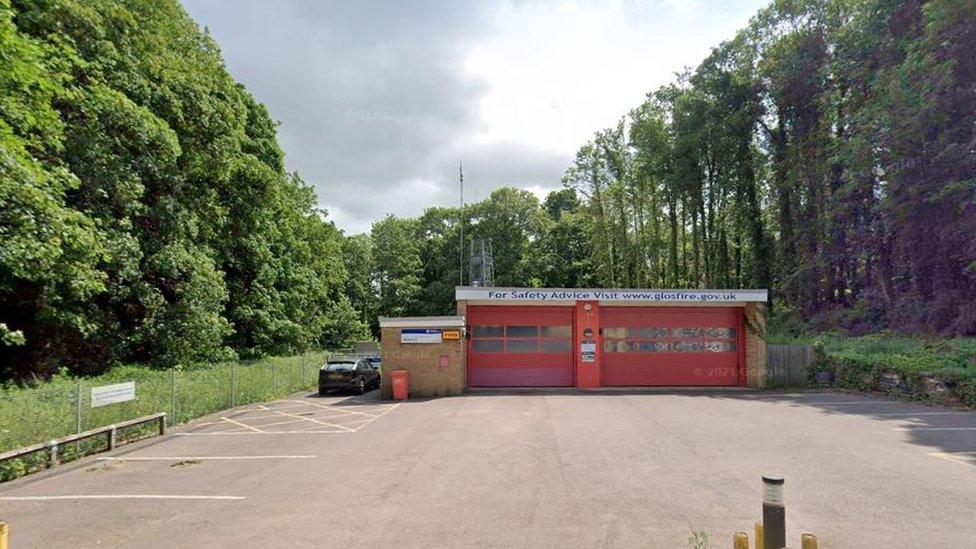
(520, 346)
(671, 345)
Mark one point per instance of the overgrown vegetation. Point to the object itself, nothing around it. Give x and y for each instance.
(52, 409)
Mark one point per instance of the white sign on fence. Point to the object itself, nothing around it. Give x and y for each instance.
(110, 394)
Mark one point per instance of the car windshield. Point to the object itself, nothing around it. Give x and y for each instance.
(373, 360)
(343, 366)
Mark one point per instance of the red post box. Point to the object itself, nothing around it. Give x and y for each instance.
(400, 381)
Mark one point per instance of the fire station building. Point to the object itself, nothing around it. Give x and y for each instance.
(585, 338)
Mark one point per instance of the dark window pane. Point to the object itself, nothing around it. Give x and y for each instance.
(487, 345)
(555, 331)
(720, 346)
(653, 346)
(615, 333)
(555, 345)
(653, 333)
(720, 333)
(520, 346)
(688, 346)
(686, 333)
(521, 331)
(486, 331)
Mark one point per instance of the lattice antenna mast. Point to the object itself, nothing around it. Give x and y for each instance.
(482, 266)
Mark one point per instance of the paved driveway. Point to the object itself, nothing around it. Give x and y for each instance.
(552, 469)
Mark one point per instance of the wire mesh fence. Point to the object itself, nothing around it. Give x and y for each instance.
(64, 407)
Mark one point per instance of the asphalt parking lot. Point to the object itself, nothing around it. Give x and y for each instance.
(514, 469)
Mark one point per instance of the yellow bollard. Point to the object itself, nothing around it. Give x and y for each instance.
(759, 536)
(808, 541)
(740, 540)
(4, 535)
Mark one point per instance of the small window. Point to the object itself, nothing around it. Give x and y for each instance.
(619, 346)
(686, 333)
(688, 346)
(720, 333)
(615, 333)
(487, 345)
(486, 331)
(653, 346)
(521, 331)
(653, 333)
(520, 346)
(720, 346)
(555, 331)
(555, 346)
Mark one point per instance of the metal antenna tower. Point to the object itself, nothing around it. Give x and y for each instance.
(461, 226)
(481, 268)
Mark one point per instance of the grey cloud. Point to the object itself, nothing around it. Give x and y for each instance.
(372, 96)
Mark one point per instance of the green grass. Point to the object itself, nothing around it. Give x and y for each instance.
(901, 353)
(49, 410)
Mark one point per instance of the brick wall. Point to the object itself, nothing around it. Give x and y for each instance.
(422, 360)
(755, 321)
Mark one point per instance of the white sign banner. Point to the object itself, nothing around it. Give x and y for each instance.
(421, 335)
(111, 394)
(645, 296)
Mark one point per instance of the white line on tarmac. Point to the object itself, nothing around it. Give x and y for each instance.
(238, 423)
(115, 496)
(313, 420)
(388, 410)
(249, 433)
(332, 408)
(198, 458)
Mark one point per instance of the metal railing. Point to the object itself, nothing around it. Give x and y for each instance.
(62, 407)
(111, 439)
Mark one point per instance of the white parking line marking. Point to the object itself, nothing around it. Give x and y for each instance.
(314, 420)
(115, 496)
(199, 458)
(334, 409)
(388, 410)
(238, 423)
(248, 433)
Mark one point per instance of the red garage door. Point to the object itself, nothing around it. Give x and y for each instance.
(670, 346)
(520, 347)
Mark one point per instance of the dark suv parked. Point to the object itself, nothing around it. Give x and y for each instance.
(356, 375)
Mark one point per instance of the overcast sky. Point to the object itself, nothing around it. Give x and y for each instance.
(378, 99)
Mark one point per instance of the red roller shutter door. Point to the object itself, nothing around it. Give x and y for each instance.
(520, 346)
(671, 346)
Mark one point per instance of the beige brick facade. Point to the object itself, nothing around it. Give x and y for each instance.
(755, 323)
(428, 377)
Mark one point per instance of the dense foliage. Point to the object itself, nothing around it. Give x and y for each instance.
(145, 213)
(825, 152)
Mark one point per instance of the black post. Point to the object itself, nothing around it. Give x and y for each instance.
(774, 513)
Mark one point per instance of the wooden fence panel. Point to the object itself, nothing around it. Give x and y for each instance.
(787, 365)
